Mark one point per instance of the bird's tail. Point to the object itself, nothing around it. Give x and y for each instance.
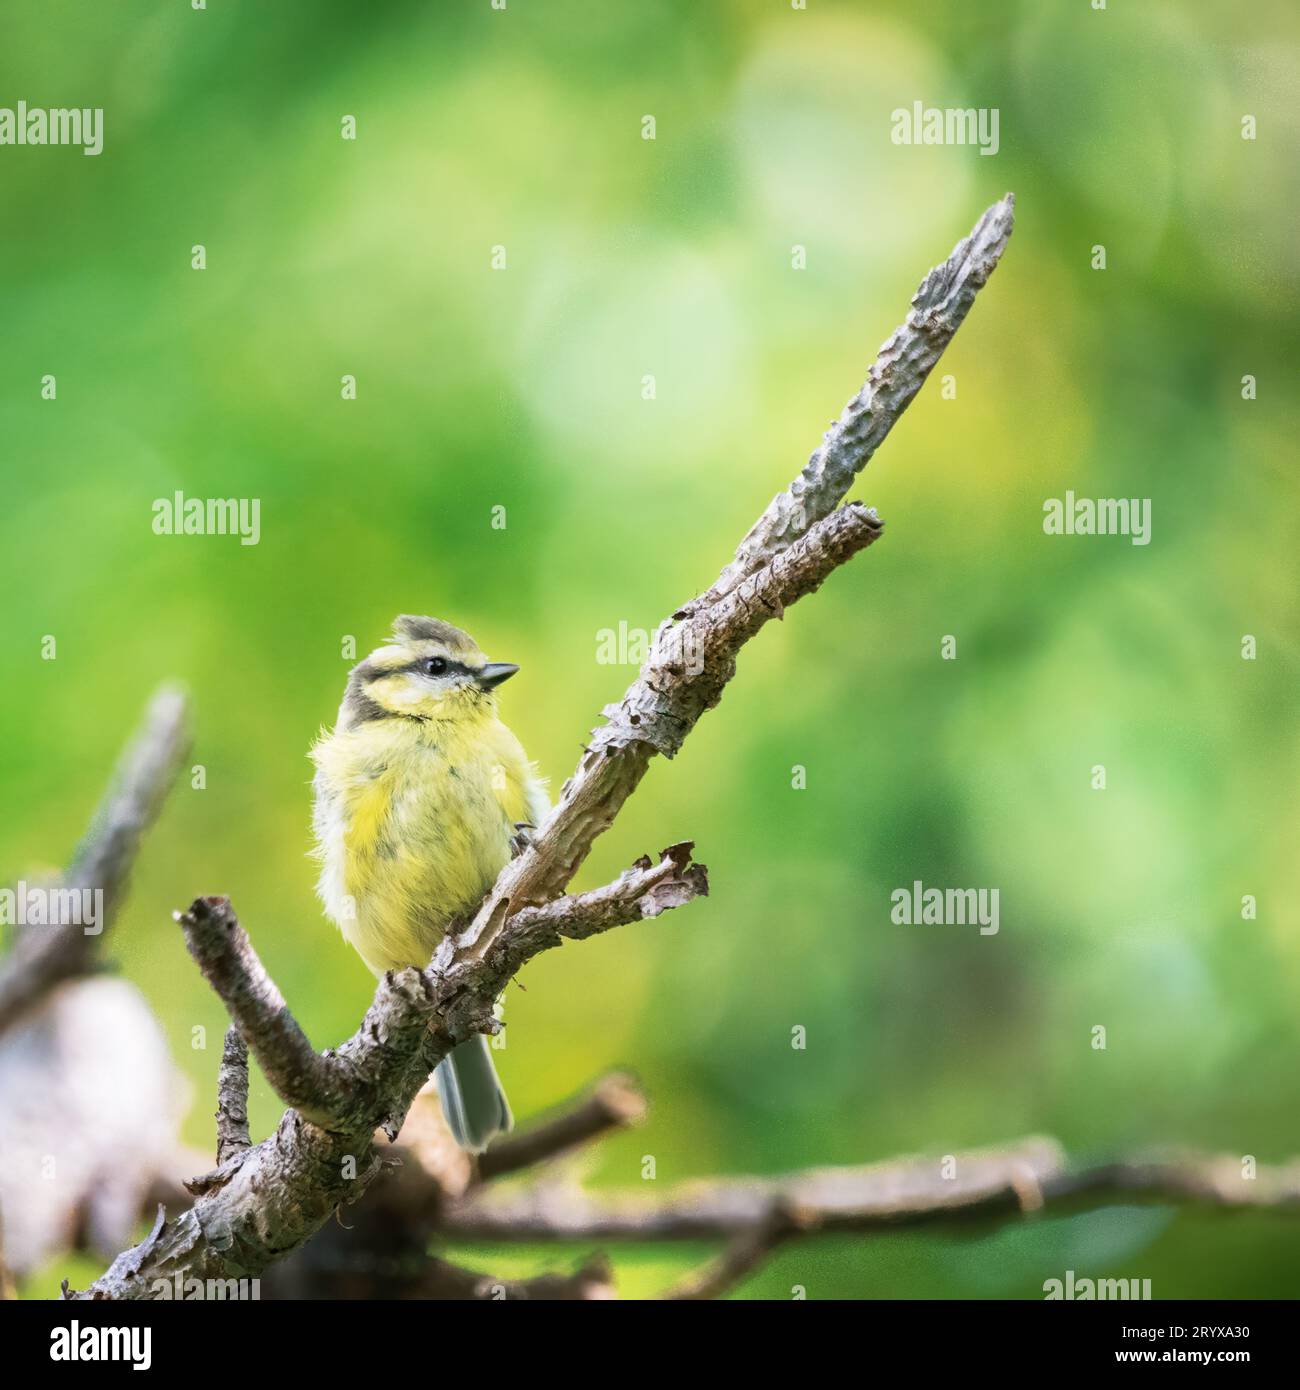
(471, 1095)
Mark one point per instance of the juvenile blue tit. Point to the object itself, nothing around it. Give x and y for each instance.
(422, 795)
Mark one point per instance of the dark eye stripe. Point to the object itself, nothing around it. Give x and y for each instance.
(416, 667)
(452, 668)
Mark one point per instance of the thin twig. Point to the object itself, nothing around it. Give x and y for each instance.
(301, 1077)
(615, 1102)
(643, 891)
(141, 783)
(743, 1255)
(901, 367)
(44, 956)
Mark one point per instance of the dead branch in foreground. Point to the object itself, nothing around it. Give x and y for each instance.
(263, 1202)
(44, 956)
(90, 1098)
(382, 1248)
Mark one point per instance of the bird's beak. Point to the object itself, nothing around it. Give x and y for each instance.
(494, 673)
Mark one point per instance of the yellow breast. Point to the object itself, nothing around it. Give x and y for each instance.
(414, 821)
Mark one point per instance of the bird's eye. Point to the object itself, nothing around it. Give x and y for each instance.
(434, 666)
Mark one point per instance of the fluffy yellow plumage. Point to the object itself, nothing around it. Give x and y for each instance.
(421, 792)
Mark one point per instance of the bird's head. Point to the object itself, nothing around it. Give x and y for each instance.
(428, 670)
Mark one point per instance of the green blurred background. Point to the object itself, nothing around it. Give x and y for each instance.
(522, 388)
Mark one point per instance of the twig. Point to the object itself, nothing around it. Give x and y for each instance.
(871, 1197)
(1027, 1176)
(232, 1097)
(683, 677)
(615, 1102)
(44, 956)
(1187, 1178)
(744, 1254)
(645, 890)
(222, 950)
(901, 367)
(142, 780)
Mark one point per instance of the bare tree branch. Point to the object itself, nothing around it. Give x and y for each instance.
(223, 952)
(755, 1217)
(267, 1200)
(788, 553)
(1188, 1177)
(348, 1091)
(901, 367)
(86, 1079)
(644, 890)
(307, 1169)
(232, 1097)
(43, 956)
(615, 1102)
(683, 676)
(141, 782)
(744, 1254)
(380, 1249)
(872, 1197)
(1026, 1176)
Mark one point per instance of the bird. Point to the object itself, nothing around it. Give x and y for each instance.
(421, 796)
